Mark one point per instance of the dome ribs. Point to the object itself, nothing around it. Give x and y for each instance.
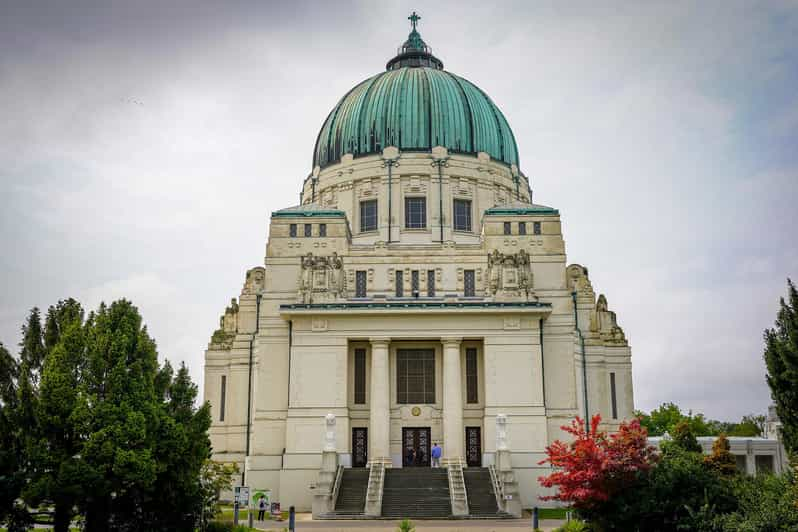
(415, 109)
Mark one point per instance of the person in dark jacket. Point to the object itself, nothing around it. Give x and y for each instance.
(410, 457)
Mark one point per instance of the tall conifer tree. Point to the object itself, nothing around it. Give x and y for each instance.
(781, 358)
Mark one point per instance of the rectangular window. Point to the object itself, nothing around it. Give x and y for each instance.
(360, 283)
(462, 215)
(521, 228)
(415, 213)
(508, 228)
(308, 230)
(468, 283)
(414, 287)
(612, 397)
(292, 230)
(536, 227)
(472, 396)
(360, 376)
(222, 397)
(400, 283)
(431, 283)
(368, 216)
(322, 229)
(741, 463)
(415, 376)
(764, 463)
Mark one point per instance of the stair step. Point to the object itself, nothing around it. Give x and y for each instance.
(416, 492)
(481, 497)
(352, 492)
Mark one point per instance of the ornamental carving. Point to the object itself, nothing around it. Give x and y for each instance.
(509, 275)
(321, 278)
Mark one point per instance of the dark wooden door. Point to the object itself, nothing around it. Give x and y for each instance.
(360, 446)
(416, 439)
(473, 437)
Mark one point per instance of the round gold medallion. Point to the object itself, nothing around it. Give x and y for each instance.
(416, 411)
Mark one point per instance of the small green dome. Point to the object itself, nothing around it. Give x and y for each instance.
(415, 105)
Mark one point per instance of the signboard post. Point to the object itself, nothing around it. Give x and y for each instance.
(241, 498)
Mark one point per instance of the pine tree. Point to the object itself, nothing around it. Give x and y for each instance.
(781, 359)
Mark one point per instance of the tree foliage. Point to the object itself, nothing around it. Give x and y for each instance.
(667, 416)
(593, 467)
(781, 359)
(721, 459)
(683, 438)
(215, 478)
(98, 426)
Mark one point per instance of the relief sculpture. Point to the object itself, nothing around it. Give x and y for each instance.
(509, 275)
(321, 279)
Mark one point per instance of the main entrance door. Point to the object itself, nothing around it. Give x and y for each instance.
(415, 446)
(473, 436)
(360, 446)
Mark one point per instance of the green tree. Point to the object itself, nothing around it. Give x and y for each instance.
(750, 426)
(781, 359)
(668, 415)
(145, 441)
(684, 438)
(721, 460)
(10, 448)
(54, 453)
(215, 477)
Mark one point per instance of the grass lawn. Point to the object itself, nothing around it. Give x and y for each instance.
(552, 513)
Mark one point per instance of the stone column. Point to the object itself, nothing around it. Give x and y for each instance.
(453, 435)
(379, 402)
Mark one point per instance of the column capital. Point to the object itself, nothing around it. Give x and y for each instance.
(451, 340)
(380, 340)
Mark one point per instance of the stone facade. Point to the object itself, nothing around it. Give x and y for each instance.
(497, 288)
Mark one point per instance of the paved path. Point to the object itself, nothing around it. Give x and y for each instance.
(304, 522)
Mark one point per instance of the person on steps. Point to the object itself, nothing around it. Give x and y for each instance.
(436, 455)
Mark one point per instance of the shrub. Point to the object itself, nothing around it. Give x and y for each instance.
(406, 525)
(766, 502)
(574, 526)
(219, 526)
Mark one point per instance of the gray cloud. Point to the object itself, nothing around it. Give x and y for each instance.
(143, 145)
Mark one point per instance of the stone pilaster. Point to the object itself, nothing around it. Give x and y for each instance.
(379, 421)
(453, 435)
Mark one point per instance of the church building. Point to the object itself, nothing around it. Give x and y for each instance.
(416, 296)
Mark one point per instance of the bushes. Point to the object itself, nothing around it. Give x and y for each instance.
(765, 502)
(614, 484)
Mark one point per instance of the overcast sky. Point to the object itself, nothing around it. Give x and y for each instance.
(143, 146)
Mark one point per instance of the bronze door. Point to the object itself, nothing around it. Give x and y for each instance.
(417, 440)
(360, 446)
(473, 436)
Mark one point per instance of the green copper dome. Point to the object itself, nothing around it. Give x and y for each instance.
(415, 105)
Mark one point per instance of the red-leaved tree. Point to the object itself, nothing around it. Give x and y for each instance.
(593, 466)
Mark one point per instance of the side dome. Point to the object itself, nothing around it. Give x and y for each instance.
(415, 105)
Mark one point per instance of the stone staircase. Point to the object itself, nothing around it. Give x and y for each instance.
(481, 497)
(352, 492)
(416, 492)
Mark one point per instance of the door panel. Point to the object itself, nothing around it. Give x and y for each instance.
(418, 439)
(360, 445)
(473, 436)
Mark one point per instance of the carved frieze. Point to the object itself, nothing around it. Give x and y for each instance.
(321, 278)
(509, 275)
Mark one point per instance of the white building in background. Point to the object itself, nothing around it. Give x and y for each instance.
(753, 455)
(415, 293)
